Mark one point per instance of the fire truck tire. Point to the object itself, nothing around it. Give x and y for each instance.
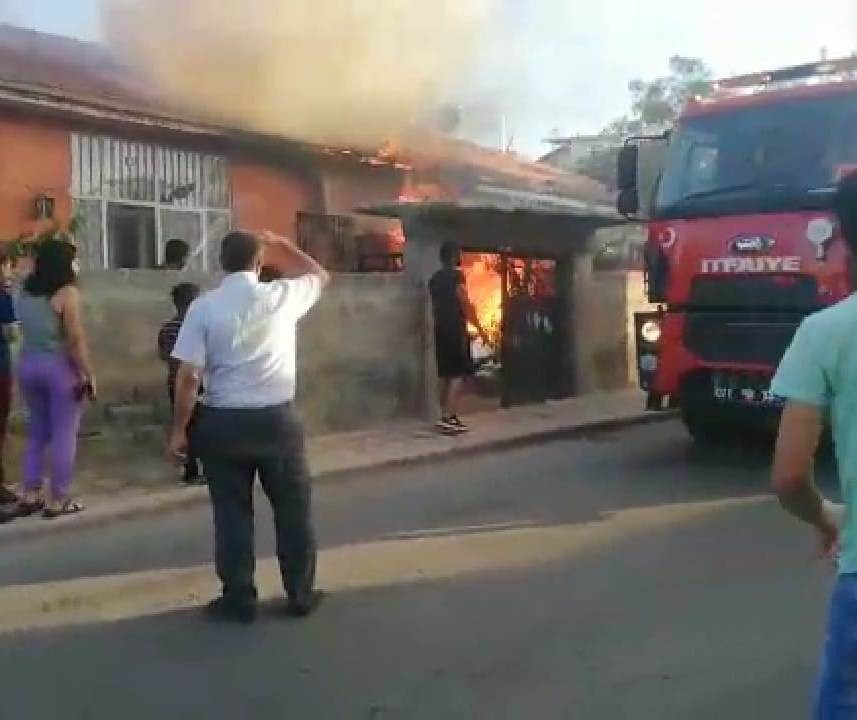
(704, 426)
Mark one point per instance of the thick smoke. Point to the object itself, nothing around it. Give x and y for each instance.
(353, 72)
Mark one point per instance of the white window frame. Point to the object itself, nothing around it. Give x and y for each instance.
(160, 152)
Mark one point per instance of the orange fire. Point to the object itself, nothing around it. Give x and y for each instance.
(482, 278)
(397, 237)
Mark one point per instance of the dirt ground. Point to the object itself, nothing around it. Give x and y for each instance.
(107, 463)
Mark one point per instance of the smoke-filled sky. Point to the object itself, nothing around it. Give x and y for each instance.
(345, 72)
(560, 64)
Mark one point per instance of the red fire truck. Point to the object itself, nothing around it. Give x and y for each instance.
(742, 244)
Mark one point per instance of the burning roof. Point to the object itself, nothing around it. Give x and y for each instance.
(494, 173)
(37, 68)
(72, 69)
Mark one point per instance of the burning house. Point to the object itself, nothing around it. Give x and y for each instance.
(525, 231)
(82, 136)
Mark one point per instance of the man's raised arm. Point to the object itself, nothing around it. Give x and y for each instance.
(290, 261)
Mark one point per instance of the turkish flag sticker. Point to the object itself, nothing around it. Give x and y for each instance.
(844, 171)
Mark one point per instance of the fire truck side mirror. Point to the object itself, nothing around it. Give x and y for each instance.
(626, 179)
(629, 160)
(628, 202)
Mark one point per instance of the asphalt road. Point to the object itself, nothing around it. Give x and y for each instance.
(625, 575)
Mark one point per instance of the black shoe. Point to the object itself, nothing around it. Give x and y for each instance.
(445, 426)
(226, 610)
(458, 423)
(26, 509)
(7, 516)
(7, 497)
(306, 606)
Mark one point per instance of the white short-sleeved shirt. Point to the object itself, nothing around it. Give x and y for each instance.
(242, 335)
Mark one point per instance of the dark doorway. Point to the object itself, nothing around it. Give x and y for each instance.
(532, 335)
(132, 237)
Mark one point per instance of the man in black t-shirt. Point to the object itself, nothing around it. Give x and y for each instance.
(452, 311)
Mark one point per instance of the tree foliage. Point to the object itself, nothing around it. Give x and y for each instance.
(25, 245)
(655, 104)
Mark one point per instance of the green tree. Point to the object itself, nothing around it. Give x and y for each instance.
(655, 104)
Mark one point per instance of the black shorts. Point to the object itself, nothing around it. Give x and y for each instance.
(454, 359)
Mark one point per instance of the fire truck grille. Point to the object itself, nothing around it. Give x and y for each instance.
(755, 338)
(767, 292)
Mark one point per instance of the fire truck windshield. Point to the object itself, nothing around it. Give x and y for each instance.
(772, 157)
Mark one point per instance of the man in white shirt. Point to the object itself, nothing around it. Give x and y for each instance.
(241, 337)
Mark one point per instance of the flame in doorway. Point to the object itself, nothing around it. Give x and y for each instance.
(484, 288)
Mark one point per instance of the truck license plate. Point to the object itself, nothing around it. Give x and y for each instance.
(747, 396)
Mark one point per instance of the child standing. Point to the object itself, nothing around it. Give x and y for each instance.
(183, 295)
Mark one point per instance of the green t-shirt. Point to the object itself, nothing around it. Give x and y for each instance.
(820, 369)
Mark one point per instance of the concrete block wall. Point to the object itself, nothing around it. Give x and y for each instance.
(603, 308)
(124, 309)
(359, 349)
(360, 354)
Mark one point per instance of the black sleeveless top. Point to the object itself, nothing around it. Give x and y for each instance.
(448, 313)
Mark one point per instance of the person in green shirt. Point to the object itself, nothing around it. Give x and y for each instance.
(818, 380)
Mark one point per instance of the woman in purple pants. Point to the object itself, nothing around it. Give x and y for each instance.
(55, 375)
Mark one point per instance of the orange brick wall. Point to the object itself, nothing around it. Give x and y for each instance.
(347, 189)
(34, 159)
(269, 198)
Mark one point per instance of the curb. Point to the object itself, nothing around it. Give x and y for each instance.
(184, 498)
(537, 436)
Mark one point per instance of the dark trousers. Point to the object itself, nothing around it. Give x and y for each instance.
(191, 467)
(236, 446)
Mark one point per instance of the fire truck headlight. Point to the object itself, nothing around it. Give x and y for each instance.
(651, 331)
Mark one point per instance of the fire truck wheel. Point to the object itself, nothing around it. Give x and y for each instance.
(705, 427)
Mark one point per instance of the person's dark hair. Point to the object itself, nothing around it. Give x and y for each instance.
(269, 274)
(845, 207)
(183, 295)
(176, 253)
(240, 251)
(53, 268)
(449, 253)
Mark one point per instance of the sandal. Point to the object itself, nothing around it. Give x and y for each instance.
(69, 507)
(7, 497)
(26, 509)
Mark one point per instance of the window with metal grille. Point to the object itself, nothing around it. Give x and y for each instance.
(330, 240)
(189, 193)
(106, 167)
